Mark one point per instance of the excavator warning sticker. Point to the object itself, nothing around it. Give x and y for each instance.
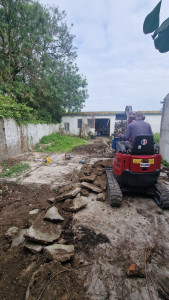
(140, 161)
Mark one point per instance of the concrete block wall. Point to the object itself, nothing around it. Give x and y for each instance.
(164, 130)
(15, 139)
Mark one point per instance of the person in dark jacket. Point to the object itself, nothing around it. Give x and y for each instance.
(138, 127)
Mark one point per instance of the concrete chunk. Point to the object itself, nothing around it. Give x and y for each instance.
(33, 247)
(90, 178)
(70, 194)
(43, 236)
(91, 187)
(33, 212)
(16, 236)
(78, 203)
(53, 215)
(100, 197)
(59, 252)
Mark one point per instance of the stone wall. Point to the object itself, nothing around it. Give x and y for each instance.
(164, 131)
(15, 139)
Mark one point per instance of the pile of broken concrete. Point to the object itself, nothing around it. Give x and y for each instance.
(44, 234)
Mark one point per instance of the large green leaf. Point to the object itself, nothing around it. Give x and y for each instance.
(163, 27)
(162, 41)
(151, 22)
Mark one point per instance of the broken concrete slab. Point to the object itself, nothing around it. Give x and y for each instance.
(43, 235)
(34, 212)
(90, 178)
(78, 203)
(101, 197)
(11, 233)
(53, 215)
(91, 187)
(59, 252)
(70, 194)
(16, 236)
(33, 247)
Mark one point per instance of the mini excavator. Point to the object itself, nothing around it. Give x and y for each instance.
(136, 170)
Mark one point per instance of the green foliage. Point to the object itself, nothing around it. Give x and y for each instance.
(165, 163)
(161, 33)
(60, 143)
(156, 138)
(37, 60)
(13, 170)
(18, 111)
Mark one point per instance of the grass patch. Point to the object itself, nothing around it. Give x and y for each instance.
(60, 143)
(13, 170)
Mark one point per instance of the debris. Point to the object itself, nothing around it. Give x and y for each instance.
(33, 247)
(68, 156)
(82, 161)
(59, 252)
(44, 237)
(51, 200)
(101, 197)
(46, 160)
(84, 192)
(90, 178)
(53, 215)
(70, 194)
(15, 235)
(135, 271)
(78, 203)
(34, 212)
(91, 187)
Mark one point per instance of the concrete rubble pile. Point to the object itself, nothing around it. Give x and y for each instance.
(45, 233)
(120, 127)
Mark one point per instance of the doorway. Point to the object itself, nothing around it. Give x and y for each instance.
(102, 127)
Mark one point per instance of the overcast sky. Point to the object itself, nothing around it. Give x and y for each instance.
(120, 63)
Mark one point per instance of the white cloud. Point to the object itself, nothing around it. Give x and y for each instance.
(121, 64)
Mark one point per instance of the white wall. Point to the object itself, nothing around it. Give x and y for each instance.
(154, 121)
(73, 122)
(15, 139)
(164, 132)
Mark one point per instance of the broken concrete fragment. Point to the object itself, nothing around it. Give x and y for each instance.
(90, 178)
(100, 197)
(16, 236)
(51, 200)
(91, 187)
(43, 236)
(33, 212)
(78, 203)
(11, 233)
(59, 252)
(34, 248)
(70, 194)
(53, 215)
(135, 271)
(84, 192)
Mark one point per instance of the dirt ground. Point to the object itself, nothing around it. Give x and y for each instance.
(107, 240)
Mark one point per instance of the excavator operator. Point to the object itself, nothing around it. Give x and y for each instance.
(138, 127)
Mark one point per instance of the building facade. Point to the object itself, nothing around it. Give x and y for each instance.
(87, 123)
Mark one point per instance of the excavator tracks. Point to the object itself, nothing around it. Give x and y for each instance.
(161, 195)
(114, 192)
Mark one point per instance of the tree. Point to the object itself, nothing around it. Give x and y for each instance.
(37, 59)
(161, 33)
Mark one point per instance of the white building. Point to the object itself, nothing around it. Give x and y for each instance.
(85, 123)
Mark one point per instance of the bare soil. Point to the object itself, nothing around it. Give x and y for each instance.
(107, 240)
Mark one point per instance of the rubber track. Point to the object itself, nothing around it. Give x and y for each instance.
(114, 191)
(161, 195)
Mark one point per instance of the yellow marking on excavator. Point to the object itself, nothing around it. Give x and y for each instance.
(139, 161)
